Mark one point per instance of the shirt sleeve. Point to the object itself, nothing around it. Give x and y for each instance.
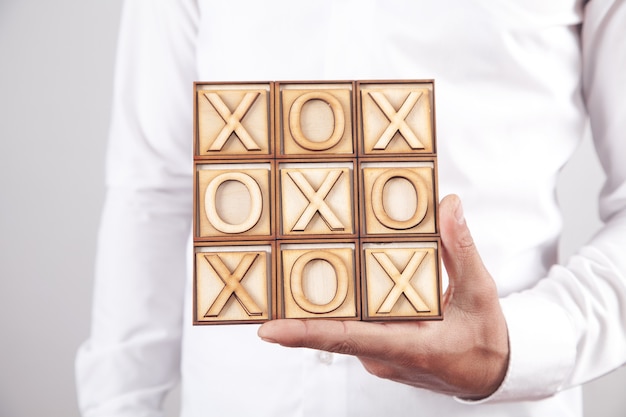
(571, 327)
(132, 357)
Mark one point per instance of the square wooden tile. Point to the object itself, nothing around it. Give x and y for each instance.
(399, 197)
(233, 284)
(316, 199)
(234, 200)
(318, 280)
(401, 280)
(233, 119)
(396, 118)
(316, 119)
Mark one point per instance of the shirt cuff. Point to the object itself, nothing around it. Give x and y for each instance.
(542, 347)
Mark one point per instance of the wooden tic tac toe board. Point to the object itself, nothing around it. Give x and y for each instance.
(315, 200)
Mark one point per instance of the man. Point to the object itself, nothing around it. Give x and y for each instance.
(516, 82)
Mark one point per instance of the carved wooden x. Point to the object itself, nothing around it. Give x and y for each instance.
(232, 285)
(317, 203)
(402, 282)
(233, 121)
(397, 120)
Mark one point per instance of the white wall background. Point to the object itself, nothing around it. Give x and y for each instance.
(56, 62)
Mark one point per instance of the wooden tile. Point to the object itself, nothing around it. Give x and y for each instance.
(401, 280)
(232, 284)
(233, 200)
(399, 198)
(317, 199)
(397, 118)
(318, 281)
(233, 119)
(316, 119)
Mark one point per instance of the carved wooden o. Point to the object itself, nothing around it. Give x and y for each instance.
(256, 207)
(339, 123)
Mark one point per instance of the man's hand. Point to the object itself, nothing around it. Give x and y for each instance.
(465, 355)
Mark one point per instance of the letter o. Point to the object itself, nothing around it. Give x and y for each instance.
(341, 273)
(377, 199)
(295, 121)
(256, 199)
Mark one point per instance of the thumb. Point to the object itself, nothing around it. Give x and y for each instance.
(469, 280)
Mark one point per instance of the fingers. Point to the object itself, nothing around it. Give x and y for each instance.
(456, 238)
(329, 335)
(348, 337)
(469, 279)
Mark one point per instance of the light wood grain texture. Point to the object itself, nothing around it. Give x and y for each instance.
(399, 198)
(233, 201)
(296, 218)
(232, 285)
(317, 200)
(401, 280)
(397, 118)
(316, 119)
(318, 281)
(233, 120)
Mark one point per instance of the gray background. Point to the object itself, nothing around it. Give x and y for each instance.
(56, 63)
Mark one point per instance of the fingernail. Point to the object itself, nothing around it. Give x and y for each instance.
(458, 214)
(262, 334)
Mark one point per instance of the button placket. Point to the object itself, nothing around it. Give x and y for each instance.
(325, 357)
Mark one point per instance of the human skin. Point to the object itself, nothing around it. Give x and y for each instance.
(465, 355)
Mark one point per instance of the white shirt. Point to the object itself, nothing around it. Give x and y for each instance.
(515, 83)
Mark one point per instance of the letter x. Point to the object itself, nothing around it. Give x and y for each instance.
(402, 282)
(397, 120)
(232, 285)
(316, 201)
(233, 121)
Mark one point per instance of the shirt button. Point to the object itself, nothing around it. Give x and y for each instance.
(325, 357)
